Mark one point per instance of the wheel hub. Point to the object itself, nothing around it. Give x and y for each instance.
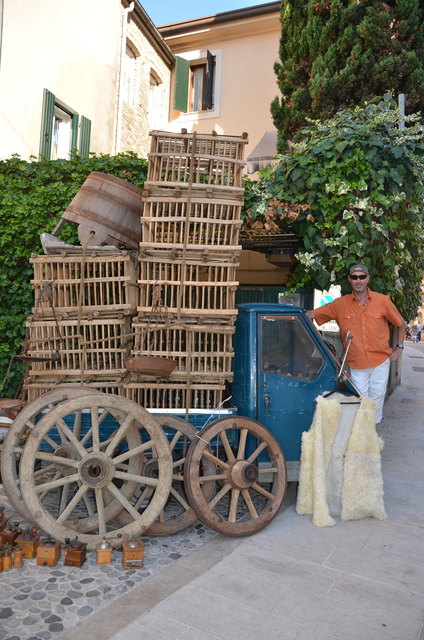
(96, 470)
(242, 474)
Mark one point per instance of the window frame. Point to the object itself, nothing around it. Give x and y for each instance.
(197, 58)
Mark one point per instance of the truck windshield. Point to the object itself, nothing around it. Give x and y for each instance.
(287, 349)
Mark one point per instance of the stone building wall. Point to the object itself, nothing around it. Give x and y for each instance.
(138, 117)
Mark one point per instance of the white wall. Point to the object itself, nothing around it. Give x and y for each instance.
(71, 48)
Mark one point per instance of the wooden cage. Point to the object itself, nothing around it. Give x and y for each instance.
(77, 284)
(206, 159)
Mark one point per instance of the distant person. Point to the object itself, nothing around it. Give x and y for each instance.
(366, 314)
(419, 331)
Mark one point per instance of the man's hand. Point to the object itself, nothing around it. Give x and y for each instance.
(396, 353)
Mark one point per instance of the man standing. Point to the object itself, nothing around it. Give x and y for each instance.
(366, 315)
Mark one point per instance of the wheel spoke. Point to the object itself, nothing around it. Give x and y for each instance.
(100, 510)
(263, 491)
(50, 457)
(88, 505)
(151, 482)
(63, 427)
(51, 442)
(119, 435)
(133, 452)
(225, 489)
(221, 477)
(175, 440)
(233, 505)
(59, 482)
(179, 498)
(248, 500)
(257, 451)
(95, 429)
(64, 498)
(127, 505)
(176, 477)
(72, 504)
(210, 456)
(242, 444)
(77, 425)
(227, 447)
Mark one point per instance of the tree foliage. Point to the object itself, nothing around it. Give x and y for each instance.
(352, 191)
(33, 196)
(336, 54)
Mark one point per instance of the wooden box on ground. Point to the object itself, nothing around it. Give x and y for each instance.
(96, 346)
(76, 284)
(206, 159)
(207, 220)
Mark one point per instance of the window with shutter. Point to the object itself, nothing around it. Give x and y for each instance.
(60, 130)
(194, 84)
(85, 133)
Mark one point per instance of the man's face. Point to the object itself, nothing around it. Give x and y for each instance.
(359, 281)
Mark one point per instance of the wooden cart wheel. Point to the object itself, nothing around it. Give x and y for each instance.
(15, 440)
(95, 463)
(177, 513)
(250, 469)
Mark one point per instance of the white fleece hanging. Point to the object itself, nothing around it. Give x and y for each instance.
(340, 466)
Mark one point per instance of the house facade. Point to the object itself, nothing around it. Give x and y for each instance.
(62, 88)
(223, 79)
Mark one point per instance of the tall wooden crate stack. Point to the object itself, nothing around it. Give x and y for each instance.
(188, 257)
(98, 314)
(80, 328)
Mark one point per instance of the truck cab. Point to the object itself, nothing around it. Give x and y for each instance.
(281, 364)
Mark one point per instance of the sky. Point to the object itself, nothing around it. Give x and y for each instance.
(167, 11)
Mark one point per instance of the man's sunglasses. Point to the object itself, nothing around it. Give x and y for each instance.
(358, 277)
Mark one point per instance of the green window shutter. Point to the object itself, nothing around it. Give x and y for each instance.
(210, 66)
(84, 142)
(74, 134)
(182, 76)
(47, 116)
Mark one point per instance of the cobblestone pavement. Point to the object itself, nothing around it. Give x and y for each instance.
(38, 603)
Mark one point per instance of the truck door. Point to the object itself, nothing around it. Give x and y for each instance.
(292, 372)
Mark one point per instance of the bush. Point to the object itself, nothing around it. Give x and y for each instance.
(33, 196)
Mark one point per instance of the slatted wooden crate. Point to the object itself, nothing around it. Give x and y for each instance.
(196, 223)
(164, 395)
(207, 159)
(34, 389)
(96, 347)
(75, 284)
(203, 351)
(191, 287)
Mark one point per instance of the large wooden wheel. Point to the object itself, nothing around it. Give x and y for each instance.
(15, 439)
(177, 513)
(249, 468)
(92, 475)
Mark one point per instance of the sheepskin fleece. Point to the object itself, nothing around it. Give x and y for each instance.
(340, 465)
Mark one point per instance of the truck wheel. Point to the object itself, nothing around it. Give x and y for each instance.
(177, 513)
(249, 468)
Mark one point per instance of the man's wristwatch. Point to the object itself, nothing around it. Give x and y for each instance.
(400, 346)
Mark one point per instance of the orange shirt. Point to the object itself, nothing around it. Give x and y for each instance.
(368, 325)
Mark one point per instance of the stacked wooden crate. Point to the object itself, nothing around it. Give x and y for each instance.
(188, 258)
(80, 328)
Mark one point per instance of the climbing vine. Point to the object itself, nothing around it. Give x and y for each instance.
(33, 196)
(352, 191)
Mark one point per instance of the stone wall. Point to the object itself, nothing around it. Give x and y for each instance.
(137, 118)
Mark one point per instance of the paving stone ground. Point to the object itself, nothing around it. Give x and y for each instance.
(39, 603)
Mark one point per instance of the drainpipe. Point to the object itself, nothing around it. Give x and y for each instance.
(121, 78)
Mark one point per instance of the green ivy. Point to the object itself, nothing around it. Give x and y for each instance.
(33, 196)
(352, 191)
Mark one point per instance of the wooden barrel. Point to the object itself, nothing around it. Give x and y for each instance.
(107, 210)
